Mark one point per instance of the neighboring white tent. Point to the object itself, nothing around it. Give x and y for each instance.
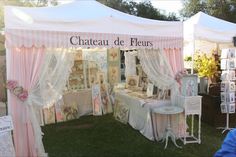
(205, 27)
(204, 32)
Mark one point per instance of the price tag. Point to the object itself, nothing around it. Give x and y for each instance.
(6, 124)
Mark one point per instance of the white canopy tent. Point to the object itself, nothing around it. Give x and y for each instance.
(32, 34)
(206, 32)
(88, 19)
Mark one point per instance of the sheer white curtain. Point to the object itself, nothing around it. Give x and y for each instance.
(158, 70)
(130, 64)
(53, 77)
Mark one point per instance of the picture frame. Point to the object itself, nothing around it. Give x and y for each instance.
(189, 85)
(132, 81)
(96, 100)
(231, 108)
(49, 115)
(231, 75)
(105, 99)
(223, 64)
(224, 86)
(101, 78)
(231, 86)
(224, 53)
(231, 53)
(223, 96)
(225, 76)
(231, 97)
(121, 112)
(150, 90)
(231, 64)
(223, 107)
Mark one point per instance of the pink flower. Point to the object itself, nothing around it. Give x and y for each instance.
(23, 96)
(11, 84)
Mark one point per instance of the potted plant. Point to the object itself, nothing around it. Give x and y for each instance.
(207, 66)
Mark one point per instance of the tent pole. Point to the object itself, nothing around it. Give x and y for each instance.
(193, 54)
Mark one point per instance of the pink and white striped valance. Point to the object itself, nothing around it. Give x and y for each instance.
(55, 39)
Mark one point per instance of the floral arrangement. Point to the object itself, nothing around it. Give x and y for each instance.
(17, 90)
(206, 65)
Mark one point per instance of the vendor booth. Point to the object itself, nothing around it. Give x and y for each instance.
(43, 47)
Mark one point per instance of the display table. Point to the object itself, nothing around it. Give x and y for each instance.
(152, 126)
(169, 110)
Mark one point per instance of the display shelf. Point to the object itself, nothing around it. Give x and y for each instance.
(227, 85)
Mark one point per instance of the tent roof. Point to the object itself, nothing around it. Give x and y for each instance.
(205, 27)
(87, 16)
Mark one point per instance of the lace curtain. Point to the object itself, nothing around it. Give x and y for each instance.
(130, 65)
(44, 73)
(158, 70)
(53, 77)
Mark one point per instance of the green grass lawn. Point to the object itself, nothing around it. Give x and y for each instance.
(92, 136)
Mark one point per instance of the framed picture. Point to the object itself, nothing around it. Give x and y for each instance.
(150, 89)
(93, 70)
(114, 74)
(79, 55)
(101, 78)
(49, 115)
(96, 100)
(113, 55)
(231, 74)
(224, 53)
(106, 103)
(231, 97)
(223, 64)
(224, 86)
(231, 53)
(121, 112)
(231, 108)
(231, 64)
(132, 81)
(223, 107)
(223, 96)
(189, 85)
(231, 86)
(225, 75)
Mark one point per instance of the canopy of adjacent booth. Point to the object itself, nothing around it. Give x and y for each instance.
(38, 45)
(205, 27)
(204, 32)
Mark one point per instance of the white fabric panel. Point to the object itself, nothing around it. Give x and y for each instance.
(158, 70)
(87, 16)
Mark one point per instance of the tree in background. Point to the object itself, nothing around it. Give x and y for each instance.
(143, 9)
(223, 9)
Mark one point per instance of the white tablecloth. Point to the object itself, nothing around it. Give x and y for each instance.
(141, 118)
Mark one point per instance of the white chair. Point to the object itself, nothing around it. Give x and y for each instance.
(192, 107)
